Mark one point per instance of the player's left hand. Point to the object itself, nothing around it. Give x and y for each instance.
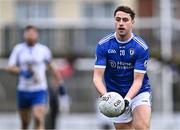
(127, 103)
(62, 90)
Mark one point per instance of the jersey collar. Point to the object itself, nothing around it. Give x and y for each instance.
(122, 42)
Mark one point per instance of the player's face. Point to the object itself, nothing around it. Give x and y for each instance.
(123, 23)
(31, 36)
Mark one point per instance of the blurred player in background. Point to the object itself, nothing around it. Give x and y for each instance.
(29, 60)
(66, 71)
(59, 98)
(122, 58)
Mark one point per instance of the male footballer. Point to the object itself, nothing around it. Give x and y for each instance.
(30, 60)
(121, 58)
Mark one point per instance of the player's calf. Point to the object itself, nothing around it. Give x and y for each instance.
(25, 118)
(24, 125)
(39, 123)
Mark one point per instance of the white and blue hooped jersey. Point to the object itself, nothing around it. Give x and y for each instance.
(37, 57)
(121, 60)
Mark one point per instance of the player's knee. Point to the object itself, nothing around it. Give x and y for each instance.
(141, 125)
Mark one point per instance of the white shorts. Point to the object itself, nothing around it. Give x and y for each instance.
(141, 99)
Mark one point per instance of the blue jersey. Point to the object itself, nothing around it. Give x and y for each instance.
(121, 60)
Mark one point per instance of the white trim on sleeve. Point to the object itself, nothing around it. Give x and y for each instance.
(100, 66)
(140, 71)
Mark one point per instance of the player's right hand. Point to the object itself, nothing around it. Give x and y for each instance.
(26, 73)
(101, 94)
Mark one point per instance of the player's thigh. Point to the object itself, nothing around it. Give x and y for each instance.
(123, 126)
(123, 121)
(39, 103)
(141, 117)
(25, 115)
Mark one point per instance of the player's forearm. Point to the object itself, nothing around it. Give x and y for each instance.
(99, 86)
(98, 80)
(138, 79)
(13, 69)
(57, 77)
(134, 89)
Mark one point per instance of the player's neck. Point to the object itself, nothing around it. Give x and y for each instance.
(124, 38)
(31, 44)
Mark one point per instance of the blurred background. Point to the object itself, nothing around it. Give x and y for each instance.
(71, 29)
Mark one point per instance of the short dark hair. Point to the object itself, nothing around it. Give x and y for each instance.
(125, 9)
(28, 27)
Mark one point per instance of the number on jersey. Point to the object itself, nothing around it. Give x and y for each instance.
(122, 52)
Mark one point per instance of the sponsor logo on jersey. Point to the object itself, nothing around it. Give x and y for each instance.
(120, 64)
(111, 51)
(112, 63)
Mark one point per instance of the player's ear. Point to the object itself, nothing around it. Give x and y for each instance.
(133, 21)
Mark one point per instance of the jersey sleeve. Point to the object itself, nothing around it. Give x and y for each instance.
(141, 61)
(48, 56)
(13, 59)
(100, 61)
